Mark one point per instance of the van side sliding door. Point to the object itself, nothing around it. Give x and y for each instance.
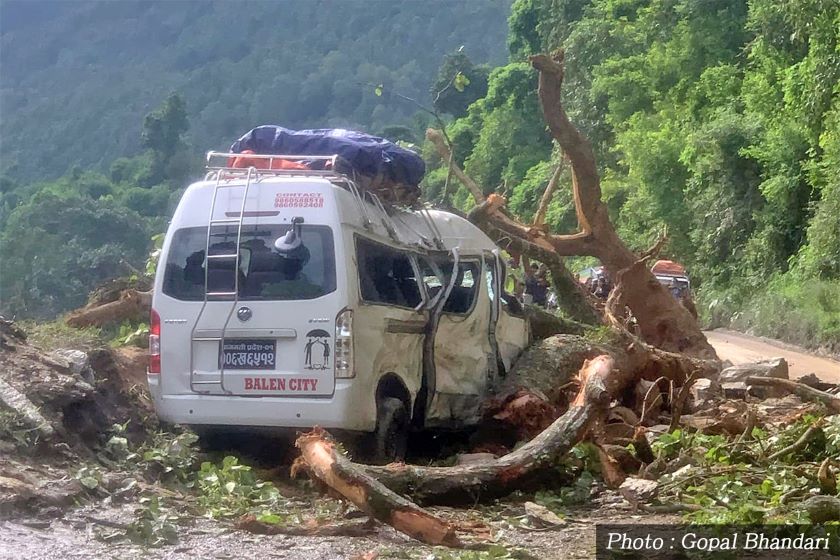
(462, 349)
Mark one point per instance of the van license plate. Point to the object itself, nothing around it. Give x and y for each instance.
(248, 354)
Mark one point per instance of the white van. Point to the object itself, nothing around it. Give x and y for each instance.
(288, 298)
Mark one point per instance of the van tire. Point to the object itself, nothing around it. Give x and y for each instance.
(390, 440)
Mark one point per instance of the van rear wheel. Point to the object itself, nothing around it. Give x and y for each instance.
(390, 440)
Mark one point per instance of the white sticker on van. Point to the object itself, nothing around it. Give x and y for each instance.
(298, 200)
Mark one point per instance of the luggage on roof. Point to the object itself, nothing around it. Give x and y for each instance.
(378, 165)
(668, 268)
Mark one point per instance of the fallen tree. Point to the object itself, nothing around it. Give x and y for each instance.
(600, 381)
(671, 350)
(662, 321)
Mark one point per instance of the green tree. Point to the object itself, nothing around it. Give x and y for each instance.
(163, 131)
(459, 83)
(54, 252)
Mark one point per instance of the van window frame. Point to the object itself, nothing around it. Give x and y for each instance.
(445, 259)
(477, 279)
(412, 259)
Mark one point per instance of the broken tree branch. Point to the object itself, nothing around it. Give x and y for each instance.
(132, 304)
(436, 138)
(539, 217)
(331, 467)
(601, 381)
(678, 404)
(800, 390)
(803, 440)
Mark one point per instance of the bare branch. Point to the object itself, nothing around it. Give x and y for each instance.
(539, 217)
(654, 251)
(586, 185)
(436, 137)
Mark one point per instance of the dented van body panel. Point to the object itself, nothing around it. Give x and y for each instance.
(314, 343)
(512, 335)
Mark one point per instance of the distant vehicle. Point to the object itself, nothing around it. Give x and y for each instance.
(288, 297)
(672, 275)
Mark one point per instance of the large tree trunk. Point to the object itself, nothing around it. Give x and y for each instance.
(601, 380)
(662, 320)
(330, 466)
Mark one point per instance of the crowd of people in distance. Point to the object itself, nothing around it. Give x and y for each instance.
(534, 286)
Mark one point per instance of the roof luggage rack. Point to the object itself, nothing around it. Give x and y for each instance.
(220, 168)
(219, 161)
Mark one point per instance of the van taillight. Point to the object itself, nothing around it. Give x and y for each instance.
(344, 344)
(154, 343)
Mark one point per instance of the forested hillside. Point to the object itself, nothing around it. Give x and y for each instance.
(95, 151)
(717, 119)
(78, 77)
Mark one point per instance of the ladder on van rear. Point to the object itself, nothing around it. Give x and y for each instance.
(252, 175)
(208, 258)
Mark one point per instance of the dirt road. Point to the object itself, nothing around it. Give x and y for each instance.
(739, 348)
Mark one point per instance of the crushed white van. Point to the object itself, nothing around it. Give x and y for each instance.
(289, 298)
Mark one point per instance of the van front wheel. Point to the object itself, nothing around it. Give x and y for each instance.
(390, 439)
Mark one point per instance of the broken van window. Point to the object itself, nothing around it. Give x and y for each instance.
(263, 273)
(436, 273)
(465, 289)
(386, 275)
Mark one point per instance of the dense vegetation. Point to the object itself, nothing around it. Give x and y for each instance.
(717, 119)
(79, 76)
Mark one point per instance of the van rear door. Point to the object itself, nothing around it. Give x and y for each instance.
(261, 321)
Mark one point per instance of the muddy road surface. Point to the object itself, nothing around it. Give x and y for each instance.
(741, 348)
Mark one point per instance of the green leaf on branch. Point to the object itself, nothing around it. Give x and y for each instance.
(460, 81)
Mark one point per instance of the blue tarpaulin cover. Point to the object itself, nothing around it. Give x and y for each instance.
(366, 154)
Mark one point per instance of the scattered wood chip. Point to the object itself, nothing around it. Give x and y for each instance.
(638, 491)
(541, 516)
